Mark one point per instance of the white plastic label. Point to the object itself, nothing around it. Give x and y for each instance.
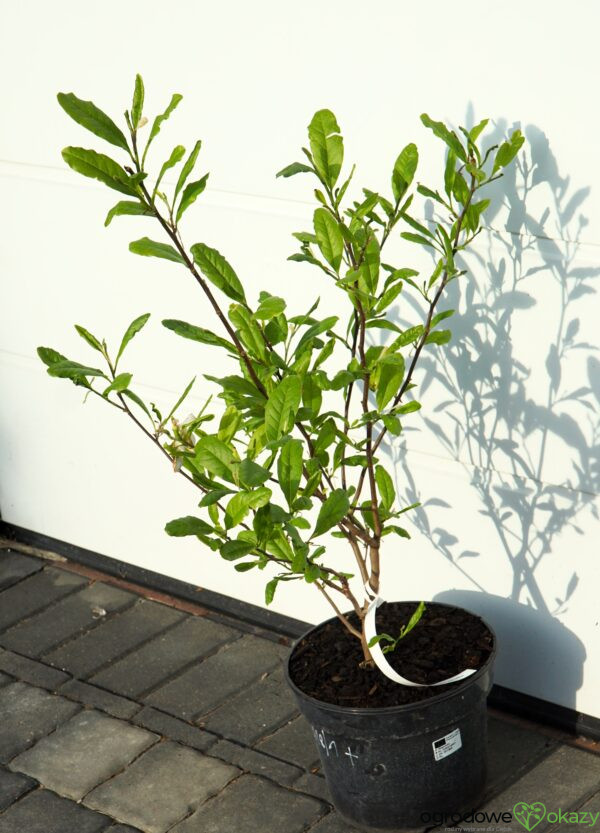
(447, 745)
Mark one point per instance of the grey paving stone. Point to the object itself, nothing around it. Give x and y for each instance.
(44, 812)
(83, 753)
(592, 807)
(252, 761)
(161, 787)
(255, 712)
(333, 823)
(512, 749)
(293, 742)
(5, 679)
(15, 566)
(123, 828)
(314, 785)
(253, 805)
(31, 671)
(164, 656)
(34, 593)
(12, 786)
(90, 695)
(43, 631)
(28, 714)
(109, 641)
(175, 729)
(206, 685)
(563, 778)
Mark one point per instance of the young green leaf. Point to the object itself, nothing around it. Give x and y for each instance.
(289, 469)
(89, 116)
(188, 167)
(329, 237)
(191, 191)
(126, 207)
(213, 455)
(50, 356)
(133, 329)
(185, 330)
(98, 166)
(270, 590)
(282, 406)
(176, 156)
(270, 307)
(448, 136)
(439, 337)
(293, 169)
(414, 620)
(241, 503)
(151, 248)
(332, 511)
(66, 369)
(232, 550)
(175, 99)
(404, 170)
(138, 102)
(251, 474)
(218, 271)
(91, 339)
(390, 378)
(508, 150)
(326, 145)
(189, 525)
(119, 384)
(385, 484)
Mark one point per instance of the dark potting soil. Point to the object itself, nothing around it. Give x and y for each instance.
(447, 640)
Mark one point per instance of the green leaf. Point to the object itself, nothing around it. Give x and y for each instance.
(119, 384)
(91, 339)
(175, 99)
(409, 336)
(89, 116)
(398, 530)
(270, 590)
(408, 407)
(404, 170)
(312, 395)
(126, 207)
(150, 248)
(329, 237)
(326, 145)
(414, 619)
(385, 484)
(416, 238)
(332, 511)
(508, 150)
(229, 424)
(289, 469)
(180, 400)
(50, 356)
(218, 271)
(138, 101)
(251, 474)
(185, 330)
(448, 136)
(270, 306)
(293, 169)
(441, 316)
(176, 156)
(188, 167)
(282, 406)
(133, 329)
(240, 504)
(100, 167)
(191, 191)
(390, 378)
(450, 173)
(233, 550)
(188, 525)
(66, 369)
(135, 398)
(214, 497)
(315, 330)
(476, 131)
(439, 337)
(213, 455)
(248, 331)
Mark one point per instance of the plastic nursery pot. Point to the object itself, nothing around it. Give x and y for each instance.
(387, 768)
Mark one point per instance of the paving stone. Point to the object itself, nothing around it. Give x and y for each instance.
(164, 656)
(28, 714)
(560, 780)
(44, 812)
(512, 749)
(109, 641)
(12, 786)
(255, 712)
(33, 593)
(161, 787)
(42, 632)
(83, 753)
(123, 828)
(313, 785)
(206, 685)
(293, 742)
(31, 671)
(90, 695)
(175, 729)
(253, 805)
(15, 566)
(333, 823)
(5, 679)
(591, 806)
(256, 762)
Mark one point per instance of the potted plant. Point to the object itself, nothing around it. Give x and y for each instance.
(395, 693)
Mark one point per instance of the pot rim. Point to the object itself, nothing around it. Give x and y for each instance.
(456, 688)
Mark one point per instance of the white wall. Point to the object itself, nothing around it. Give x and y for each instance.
(510, 519)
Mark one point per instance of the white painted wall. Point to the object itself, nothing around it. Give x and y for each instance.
(510, 519)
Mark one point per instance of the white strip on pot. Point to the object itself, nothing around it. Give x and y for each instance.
(382, 663)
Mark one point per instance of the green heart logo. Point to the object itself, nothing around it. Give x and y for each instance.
(529, 815)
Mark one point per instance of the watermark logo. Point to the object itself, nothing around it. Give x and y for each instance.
(529, 815)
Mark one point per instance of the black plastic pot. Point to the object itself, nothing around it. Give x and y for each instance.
(393, 768)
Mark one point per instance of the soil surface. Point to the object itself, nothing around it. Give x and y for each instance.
(447, 640)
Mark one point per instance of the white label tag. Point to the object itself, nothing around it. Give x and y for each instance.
(447, 745)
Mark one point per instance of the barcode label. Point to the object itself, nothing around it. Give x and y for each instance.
(447, 745)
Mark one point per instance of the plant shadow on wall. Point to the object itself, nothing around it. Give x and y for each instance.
(508, 423)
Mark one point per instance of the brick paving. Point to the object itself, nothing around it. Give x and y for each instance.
(119, 714)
